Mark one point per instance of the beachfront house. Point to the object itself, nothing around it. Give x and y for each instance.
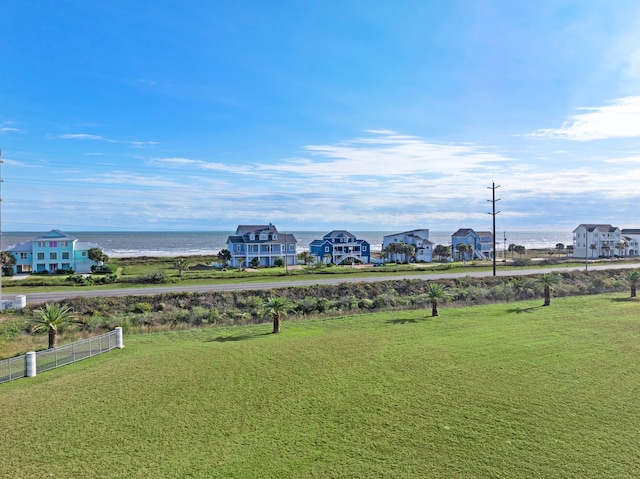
(417, 238)
(263, 242)
(340, 247)
(52, 252)
(596, 240)
(630, 242)
(481, 241)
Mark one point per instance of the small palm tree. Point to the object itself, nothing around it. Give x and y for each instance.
(462, 251)
(7, 260)
(181, 264)
(632, 277)
(278, 307)
(548, 280)
(224, 255)
(51, 318)
(435, 292)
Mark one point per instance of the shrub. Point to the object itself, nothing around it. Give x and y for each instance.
(141, 307)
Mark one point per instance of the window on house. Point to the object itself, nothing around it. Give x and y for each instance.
(66, 266)
(53, 244)
(292, 247)
(263, 236)
(40, 256)
(65, 255)
(364, 248)
(237, 247)
(252, 236)
(53, 255)
(84, 253)
(64, 244)
(326, 249)
(274, 237)
(42, 244)
(23, 256)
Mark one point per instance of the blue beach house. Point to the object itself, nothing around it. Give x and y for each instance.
(482, 242)
(51, 252)
(263, 242)
(340, 246)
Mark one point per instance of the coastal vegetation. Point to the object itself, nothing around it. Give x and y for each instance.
(502, 390)
(170, 311)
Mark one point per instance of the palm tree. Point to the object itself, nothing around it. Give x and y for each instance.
(548, 280)
(512, 249)
(51, 318)
(97, 256)
(306, 257)
(470, 251)
(224, 255)
(181, 264)
(435, 292)
(6, 260)
(278, 307)
(593, 248)
(410, 251)
(621, 247)
(462, 250)
(632, 277)
(442, 251)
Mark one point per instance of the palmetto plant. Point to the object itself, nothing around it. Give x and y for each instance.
(435, 292)
(548, 280)
(278, 307)
(632, 277)
(51, 318)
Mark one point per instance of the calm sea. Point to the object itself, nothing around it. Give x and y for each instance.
(190, 243)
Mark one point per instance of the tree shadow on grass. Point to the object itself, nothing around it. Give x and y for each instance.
(524, 310)
(623, 300)
(226, 339)
(413, 320)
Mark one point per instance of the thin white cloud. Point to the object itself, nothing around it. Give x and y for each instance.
(388, 154)
(142, 144)
(84, 136)
(620, 119)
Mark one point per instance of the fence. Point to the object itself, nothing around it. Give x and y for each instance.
(32, 363)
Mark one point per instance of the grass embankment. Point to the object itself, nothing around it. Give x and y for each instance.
(508, 390)
(143, 272)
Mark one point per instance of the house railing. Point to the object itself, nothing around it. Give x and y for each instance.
(28, 365)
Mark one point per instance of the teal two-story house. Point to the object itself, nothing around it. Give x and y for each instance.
(51, 252)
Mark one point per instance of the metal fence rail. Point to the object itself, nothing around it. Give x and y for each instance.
(18, 367)
(70, 353)
(12, 368)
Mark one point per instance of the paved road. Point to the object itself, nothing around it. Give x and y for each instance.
(57, 296)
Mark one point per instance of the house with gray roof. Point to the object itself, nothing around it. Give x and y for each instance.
(51, 252)
(340, 247)
(596, 240)
(481, 241)
(263, 242)
(418, 238)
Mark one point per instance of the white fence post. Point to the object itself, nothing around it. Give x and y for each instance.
(30, 364)
(119, 339)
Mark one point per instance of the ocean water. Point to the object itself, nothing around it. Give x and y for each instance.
(190, 243)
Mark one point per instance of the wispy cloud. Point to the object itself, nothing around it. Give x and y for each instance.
(620, 119)
(7, 127)
(388, 153)
(84, 136)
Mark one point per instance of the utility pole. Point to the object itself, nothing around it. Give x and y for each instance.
(493, 200)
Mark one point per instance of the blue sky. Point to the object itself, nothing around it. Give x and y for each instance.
(364, 115)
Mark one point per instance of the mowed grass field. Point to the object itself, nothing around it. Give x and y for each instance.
(502, 391)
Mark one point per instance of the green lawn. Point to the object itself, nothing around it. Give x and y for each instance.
(502, 391)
